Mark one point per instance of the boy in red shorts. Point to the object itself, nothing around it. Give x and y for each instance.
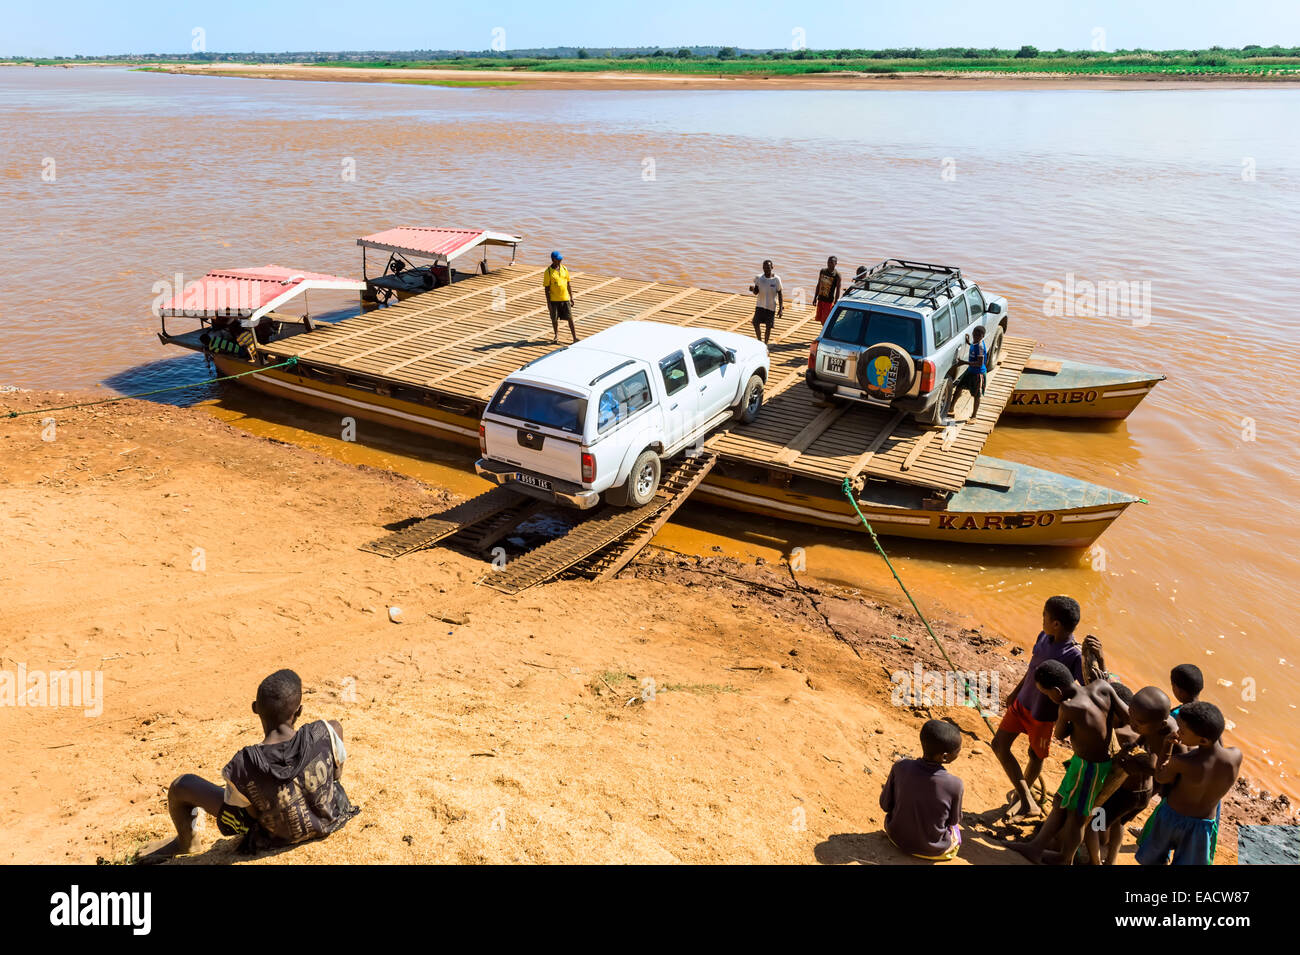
(1029, 711)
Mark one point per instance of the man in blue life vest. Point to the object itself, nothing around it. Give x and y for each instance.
(972, 379)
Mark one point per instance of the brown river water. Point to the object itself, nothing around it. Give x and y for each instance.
(112, 181)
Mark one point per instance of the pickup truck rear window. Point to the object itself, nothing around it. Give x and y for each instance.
(541, 406)
(860, 326)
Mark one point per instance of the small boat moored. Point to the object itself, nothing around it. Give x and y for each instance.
(236, 309)
(1074, 389)
(401, 279)
(1003, 502)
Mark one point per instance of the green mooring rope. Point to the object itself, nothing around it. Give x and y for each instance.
(145, 394)
(848, 492)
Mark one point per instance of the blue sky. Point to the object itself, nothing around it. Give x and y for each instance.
(70, 27)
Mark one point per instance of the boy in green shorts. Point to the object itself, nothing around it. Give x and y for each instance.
(1087, 714)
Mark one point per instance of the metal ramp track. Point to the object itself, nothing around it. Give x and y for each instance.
(476, 539)
(607, 562)
(435, 527)
(618, 532)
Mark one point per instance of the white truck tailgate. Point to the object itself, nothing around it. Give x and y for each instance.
(549, 452)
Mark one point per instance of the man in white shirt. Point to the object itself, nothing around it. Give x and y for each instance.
(770, 305)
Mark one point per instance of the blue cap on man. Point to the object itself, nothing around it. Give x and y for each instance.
(556, 257)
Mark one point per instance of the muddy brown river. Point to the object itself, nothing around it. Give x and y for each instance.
(1149, 229)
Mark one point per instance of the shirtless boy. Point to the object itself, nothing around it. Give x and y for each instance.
(1150, 736)
(1087, 713)
(1187, 821)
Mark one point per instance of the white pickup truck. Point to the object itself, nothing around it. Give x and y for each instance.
(602, 416)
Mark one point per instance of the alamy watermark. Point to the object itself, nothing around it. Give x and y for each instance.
(921, 687)
(133, 910)
(1083, 298)
(81, 689)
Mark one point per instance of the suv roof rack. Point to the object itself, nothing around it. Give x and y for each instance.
(911, 279)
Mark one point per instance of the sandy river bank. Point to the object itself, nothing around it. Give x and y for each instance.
(186, 559)
(613, 80)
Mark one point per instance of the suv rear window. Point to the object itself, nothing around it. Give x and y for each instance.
(860, 326)
(541, 406)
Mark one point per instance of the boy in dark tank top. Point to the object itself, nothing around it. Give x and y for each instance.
(280, 792)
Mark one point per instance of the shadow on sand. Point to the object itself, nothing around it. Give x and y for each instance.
(874, 848)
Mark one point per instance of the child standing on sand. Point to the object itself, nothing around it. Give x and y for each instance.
(283, 791)
(1187, 820)
(1150, 737)
(1187, 682)
(922, 800)
(1087, 714)
(1030, 712)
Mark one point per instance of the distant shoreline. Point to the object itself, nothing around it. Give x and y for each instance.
(643, 81)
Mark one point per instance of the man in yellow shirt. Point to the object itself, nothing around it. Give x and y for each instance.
(559, 297)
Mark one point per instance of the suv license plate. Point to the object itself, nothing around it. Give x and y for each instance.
(835, 365)
(533, 481)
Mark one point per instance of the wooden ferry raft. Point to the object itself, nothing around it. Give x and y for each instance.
(430, 363)
(451, 347)
(795, 435)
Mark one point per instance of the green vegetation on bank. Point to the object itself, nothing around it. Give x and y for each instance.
(785, 63)
(1252, 59)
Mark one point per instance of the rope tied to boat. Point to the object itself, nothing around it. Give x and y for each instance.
(847, 487)
(292, 360)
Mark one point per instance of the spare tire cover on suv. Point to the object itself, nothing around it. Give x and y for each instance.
(886, 371)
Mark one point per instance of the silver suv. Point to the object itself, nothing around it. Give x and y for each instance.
(896, 336)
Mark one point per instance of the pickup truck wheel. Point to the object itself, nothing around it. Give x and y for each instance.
(751, 401)
(643, 480)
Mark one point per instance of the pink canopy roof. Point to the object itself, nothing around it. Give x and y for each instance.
(250, 292)
(435, 243)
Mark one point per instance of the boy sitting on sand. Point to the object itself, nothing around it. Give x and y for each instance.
(1150, 736)
(1030, 712)
(922, 800)
(1187, 820)
(1087, 714)
(283, 791)
(1187, 683)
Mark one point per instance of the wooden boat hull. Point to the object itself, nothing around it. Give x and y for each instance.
(1080, 390)
(348, 401)
(1039, 509)
(1049, 510)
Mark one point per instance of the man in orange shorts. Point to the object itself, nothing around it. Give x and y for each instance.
(827, 291)
(1029, 711)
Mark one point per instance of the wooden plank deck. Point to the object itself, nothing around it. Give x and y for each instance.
(462, 340)
(910, 452)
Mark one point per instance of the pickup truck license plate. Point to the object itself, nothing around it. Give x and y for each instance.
(533, 481)
(835, 365)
